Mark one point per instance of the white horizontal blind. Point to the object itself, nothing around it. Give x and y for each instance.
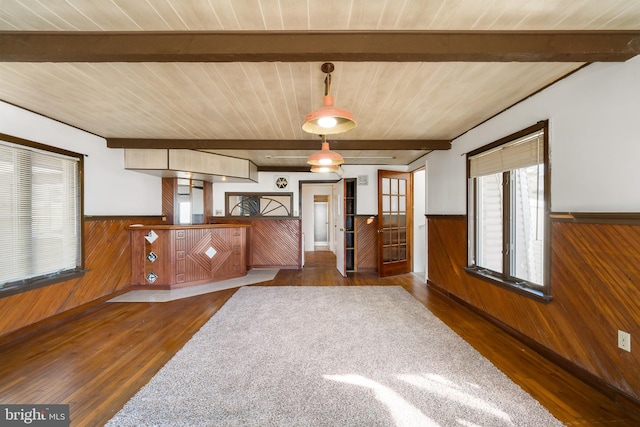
(39, 214)
(521, 153)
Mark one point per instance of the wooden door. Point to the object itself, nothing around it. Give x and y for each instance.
(395, 222)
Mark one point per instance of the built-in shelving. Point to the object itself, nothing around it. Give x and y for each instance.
(350, 223)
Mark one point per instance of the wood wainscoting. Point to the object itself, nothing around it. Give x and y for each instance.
(595, 285)
(272, 242)
(107, 252)
(366, 243)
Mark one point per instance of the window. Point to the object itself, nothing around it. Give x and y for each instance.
(40, 215)
(507, 212)
(259, 204)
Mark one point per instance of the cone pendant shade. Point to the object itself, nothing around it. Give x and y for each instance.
(328, 120)
(325, 157)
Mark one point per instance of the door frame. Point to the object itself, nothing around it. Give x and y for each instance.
(308, 219)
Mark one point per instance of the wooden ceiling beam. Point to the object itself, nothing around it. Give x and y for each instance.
(297, 46)
(277, 144)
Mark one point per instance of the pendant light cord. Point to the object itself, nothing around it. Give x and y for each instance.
(327, 84)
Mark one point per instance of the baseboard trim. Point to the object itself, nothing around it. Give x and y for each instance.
(622, 399)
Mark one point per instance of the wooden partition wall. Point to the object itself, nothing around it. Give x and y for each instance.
(272, 242)
(366, 243)
(595, 285)
(107, 261)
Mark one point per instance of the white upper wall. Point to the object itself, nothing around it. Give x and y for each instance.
(366, 200)
(109, 188)
(594, 141)
(112, 190)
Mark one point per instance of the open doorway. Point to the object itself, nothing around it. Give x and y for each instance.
(321, 238)
(310, 193)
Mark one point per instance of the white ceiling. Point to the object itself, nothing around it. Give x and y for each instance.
(391, 100)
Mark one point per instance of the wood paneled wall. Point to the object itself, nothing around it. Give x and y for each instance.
(366, 243)
(108, 261)
(273, 243)
(595, 284)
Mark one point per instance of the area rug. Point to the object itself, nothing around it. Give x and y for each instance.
(329, 356)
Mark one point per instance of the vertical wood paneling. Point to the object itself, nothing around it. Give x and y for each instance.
(108, 265)
(169, 199)
(595, 277)
(366, 244)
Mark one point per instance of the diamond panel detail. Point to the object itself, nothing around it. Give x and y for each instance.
(152, 257)
(151, 236)
(151, 277)
(211, 252)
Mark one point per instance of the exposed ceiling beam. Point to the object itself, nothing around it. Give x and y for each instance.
(277, 144)
(283, 168)
(297, 46)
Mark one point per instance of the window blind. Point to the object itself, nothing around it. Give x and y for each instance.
(521, 153)
(40, 213)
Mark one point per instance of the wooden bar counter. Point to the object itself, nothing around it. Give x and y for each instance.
(175, 256)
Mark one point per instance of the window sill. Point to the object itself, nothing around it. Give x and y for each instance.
(25, 286)
(509, 285)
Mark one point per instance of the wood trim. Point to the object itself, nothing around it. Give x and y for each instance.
(277, 144)
(624, 400)
(541, 125)
(446, 216)
(33, 144)
(629, 218)
(305, 46)
(622, 218)
(125, 218)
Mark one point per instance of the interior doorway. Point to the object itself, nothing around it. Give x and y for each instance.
(309, 192)
(321, 241)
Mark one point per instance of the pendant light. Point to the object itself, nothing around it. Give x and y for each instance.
(328, 120)
(325, 157)
(325, 169)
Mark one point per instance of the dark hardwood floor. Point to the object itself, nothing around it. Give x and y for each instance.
(96, 360)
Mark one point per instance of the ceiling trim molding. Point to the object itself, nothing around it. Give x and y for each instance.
(299, 46)
(278, 144)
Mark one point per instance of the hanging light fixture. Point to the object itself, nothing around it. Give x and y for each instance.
(328, 120)
(325, 169)
(325, 157)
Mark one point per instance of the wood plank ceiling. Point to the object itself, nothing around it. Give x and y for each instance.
(238, 77)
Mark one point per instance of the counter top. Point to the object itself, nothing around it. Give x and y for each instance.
(184, 226)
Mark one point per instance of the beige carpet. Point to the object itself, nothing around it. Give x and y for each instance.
(329, 356)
